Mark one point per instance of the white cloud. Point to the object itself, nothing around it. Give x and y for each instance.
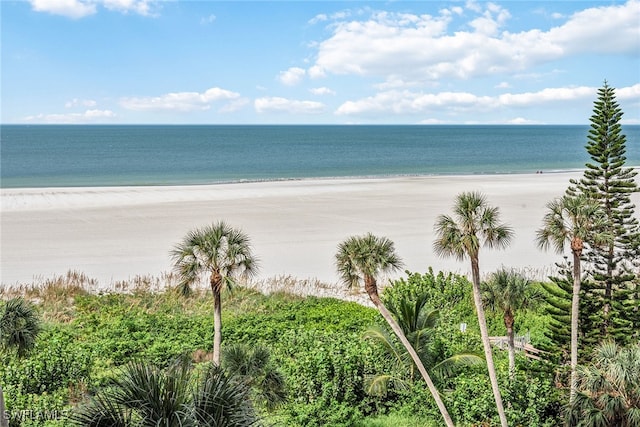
(292, 76)
(432, 122)
(141, 7)
(208, 20)
(319, 18)
(503, 85)
(473, 5)
(322, 17)
(74, 9)
(180, 101)
(89, 116)
(631, 92)
(522, 121)
(75, 102)
(395, 82)
(491, 20)
(395, 102)
(322, 91)
(316, 72)
(601, 30)
(283, 105)
(77, 9)
(423, 47)
(456, 10)
(546, 95)
(234, 105)
(407, 102)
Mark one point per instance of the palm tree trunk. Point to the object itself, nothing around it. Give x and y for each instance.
(477, 298)
(373, 295)
(608, 291)
(508, 322)
(575, 313)
(217, 327)
(216, 288)
(3, 411)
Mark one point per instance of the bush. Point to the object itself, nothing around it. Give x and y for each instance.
(317, 343)
(326, 374)
(55, 363)
(451, 292)
(530, 400)
(311, 313)
(38, 389)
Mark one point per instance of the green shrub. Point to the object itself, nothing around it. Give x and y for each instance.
(325, 373)
(451, 292)
(55, 363)
(327, 314)
(316, 343)
(530, 400)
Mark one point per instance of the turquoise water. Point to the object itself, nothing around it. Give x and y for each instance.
(46, 156)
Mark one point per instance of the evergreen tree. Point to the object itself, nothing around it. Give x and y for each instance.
(606, 180)
(558, 307)
(557, 295)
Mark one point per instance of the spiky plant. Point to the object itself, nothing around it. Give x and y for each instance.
(19, 326)
(147, 395)
(19, 329)
(253, 367)
(608, 389)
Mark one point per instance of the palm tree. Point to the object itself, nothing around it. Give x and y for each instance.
(508, 291)
(572, 220)
(417, 323)
(608, 394)
(146, 395)
(253, 367)
(360, 259)
(224, 253)
(19, 326)
(475, 224)
(19, 329)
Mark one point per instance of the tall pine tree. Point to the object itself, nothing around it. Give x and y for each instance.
(607, 180)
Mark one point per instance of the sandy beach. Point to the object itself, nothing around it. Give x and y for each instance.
(117, 233)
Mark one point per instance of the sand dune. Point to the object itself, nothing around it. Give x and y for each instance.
(116, 233)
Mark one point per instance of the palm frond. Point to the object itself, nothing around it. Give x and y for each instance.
(377, 385)
(361, 256)
(20, 325)
(474, 224)
(452, 365)
(102, 411)
(383, 337)
(219, 401)
(572, 217)
(450, 238)
(214, 248)
(608, 390)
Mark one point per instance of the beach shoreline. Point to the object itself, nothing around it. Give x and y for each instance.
(116, 233)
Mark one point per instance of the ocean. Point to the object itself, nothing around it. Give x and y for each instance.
(117, 155)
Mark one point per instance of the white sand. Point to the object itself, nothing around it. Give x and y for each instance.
(117, 233)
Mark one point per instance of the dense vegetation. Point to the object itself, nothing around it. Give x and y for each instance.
(144, 355)
(318, 344)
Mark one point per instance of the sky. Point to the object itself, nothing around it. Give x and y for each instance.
(316, 62)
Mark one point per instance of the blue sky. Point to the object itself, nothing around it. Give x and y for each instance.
(324, 62)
